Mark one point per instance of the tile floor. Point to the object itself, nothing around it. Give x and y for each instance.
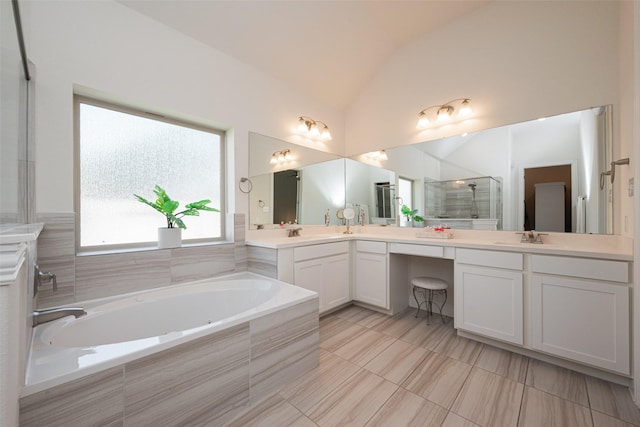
(377, 370)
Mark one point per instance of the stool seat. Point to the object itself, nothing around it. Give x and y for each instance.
(428, 286)
(429, 283)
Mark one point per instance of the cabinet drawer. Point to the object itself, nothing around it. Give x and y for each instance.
(509, 260)
(371, 247)
(418, 250)
(598, 269)
(318, 251)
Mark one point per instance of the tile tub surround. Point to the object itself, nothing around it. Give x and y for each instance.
(87, 277)
(203, 382)
(495, 387)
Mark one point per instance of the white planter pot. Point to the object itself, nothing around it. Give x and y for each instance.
(169, 237)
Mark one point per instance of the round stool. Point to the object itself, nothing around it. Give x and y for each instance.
(429, 285)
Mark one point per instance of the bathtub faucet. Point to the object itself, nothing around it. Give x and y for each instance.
(50, 314)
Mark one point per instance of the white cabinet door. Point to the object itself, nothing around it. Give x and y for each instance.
(309, 275)
(328, 276)
(583, 320)
(336, 281)
(489, 302)
(371, 279)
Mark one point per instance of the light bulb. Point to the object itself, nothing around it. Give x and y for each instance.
(287, 155)
(281, 156)
(274, 158)
(465, 109)
(444, 113)
(302, 125)
(382, 155)
(423, 121)
(313, 130)
(326, 135)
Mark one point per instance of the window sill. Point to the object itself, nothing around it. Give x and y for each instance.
(150, 248)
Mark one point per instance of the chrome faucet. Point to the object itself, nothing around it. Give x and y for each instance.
(294, 232)
(43, 316)
(531, 236)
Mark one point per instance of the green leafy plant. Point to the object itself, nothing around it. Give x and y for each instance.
(167, 207)
(411, 214)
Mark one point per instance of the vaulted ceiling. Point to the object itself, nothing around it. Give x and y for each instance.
(327, 49)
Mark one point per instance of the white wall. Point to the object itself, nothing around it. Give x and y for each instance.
(105, 46)
(517, 61)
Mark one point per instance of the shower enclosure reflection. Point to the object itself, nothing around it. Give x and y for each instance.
(472, 203)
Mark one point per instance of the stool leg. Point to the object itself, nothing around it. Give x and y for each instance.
(417, 302)
(442, 305)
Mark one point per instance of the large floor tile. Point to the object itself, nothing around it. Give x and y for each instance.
(398, 325)
(353, 403)
(438, 378)
(489, 399)
(406, 409)
(363, 347)
(353, 313)
(613, 400)
(602, 420)
(310, 389)
(272, 411)
(372, 319)
(558, 381)
(502, 362)
(543, 409)
(459, 348)
(427, 336)
(397, 361)
(334, 334)
(454, 420)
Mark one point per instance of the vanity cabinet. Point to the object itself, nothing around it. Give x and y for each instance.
(488, 294)
(580, 310)
(324, 269)
(371, 279)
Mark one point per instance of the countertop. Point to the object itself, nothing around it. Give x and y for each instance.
(563, 244)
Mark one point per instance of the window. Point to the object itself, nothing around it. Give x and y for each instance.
(121, 152)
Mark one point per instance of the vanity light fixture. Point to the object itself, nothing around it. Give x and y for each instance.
(310, 127)
(378, 155)
(444, 112)
(281, 156)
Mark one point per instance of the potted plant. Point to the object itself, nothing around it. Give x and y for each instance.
(411, 215)
(171, 235)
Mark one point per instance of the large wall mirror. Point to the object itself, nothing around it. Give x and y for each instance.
(489, 179)
(542, 175)
(293, 183)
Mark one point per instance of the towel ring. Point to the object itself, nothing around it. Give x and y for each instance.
(247, 187)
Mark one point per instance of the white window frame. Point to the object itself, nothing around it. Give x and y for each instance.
(82, 99)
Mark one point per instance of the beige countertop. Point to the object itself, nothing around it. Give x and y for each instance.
(563, 244)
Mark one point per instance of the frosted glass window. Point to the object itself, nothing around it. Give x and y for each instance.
(122, 154)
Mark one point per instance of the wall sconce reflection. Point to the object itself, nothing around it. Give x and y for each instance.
(281, 156)
(378, 155)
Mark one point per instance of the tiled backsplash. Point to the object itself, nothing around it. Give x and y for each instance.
(85, 277)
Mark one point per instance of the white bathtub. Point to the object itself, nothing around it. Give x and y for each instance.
(118, 330)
